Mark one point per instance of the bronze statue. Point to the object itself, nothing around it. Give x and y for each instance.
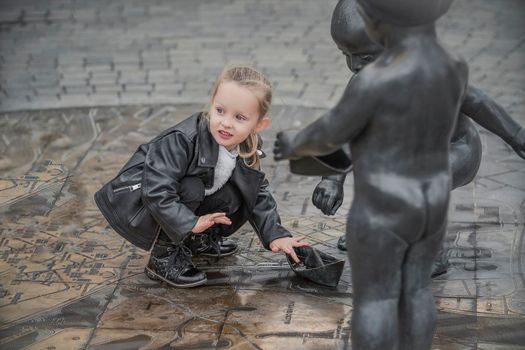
(398, 114)
(348, 32)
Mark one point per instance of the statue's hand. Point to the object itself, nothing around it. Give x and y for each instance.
(328, 196)
(518, 144)
(283, 145)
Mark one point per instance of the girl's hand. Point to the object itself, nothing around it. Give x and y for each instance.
(286, 244)
(208, 220)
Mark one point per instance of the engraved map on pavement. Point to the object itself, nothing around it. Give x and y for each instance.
(68, 281)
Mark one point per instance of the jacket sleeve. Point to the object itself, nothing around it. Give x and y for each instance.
(164, 167)
(265, 220)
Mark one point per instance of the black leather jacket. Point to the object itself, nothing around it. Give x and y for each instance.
(143, 197)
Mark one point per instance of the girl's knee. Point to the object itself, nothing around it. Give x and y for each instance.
(228, 199)
(232, 197)
(191, 192)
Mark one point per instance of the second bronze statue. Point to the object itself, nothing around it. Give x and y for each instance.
(349, 34)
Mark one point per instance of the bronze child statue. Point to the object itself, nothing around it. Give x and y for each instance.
(348, 32)
(398, 114)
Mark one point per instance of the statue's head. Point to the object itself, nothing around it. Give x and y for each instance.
(405, 13)
(349, 33)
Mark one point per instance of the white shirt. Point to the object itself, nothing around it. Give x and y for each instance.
(223, 169)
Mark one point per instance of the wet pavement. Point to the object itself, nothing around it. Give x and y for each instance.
(67, 281)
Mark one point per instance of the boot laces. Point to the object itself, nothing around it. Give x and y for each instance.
(215, 241)
(180, 256)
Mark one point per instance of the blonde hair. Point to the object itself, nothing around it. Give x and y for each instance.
(261, 87)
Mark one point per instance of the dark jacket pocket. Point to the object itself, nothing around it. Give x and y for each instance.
(120, 200)
(142, 220)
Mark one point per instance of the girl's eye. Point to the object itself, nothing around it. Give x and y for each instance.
(240, 117)
(219, 110)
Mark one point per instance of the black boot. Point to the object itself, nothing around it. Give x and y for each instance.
(210, 243)
(172, 264)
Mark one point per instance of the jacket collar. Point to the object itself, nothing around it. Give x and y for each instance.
(247, 180)
(206, 144)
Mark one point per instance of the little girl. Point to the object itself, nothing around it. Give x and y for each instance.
(198, 182)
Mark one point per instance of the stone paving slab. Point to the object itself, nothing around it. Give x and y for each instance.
(68, 281)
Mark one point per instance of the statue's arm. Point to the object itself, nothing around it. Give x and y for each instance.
(328, 195)
(489, 114)
(339, 177)
(338, 126)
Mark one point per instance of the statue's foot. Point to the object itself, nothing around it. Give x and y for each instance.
(439, 267)
(341, 243)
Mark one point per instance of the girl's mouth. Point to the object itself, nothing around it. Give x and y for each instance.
(224, 134)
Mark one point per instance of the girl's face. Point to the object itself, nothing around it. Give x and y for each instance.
(234, 114)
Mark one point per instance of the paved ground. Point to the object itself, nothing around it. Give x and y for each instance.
(68, 282)
(69, 53)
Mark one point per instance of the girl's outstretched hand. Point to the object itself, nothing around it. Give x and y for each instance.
(286, 244)
(208, 220)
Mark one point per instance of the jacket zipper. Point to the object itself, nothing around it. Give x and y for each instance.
(130, 188)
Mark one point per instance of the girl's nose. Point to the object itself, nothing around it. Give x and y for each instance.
(226, 122)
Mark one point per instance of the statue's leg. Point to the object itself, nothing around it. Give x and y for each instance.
(376, 256)
(417, 315)
(465, 159)
(417, 311)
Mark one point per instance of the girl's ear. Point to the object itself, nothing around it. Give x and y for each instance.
(262, 124)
